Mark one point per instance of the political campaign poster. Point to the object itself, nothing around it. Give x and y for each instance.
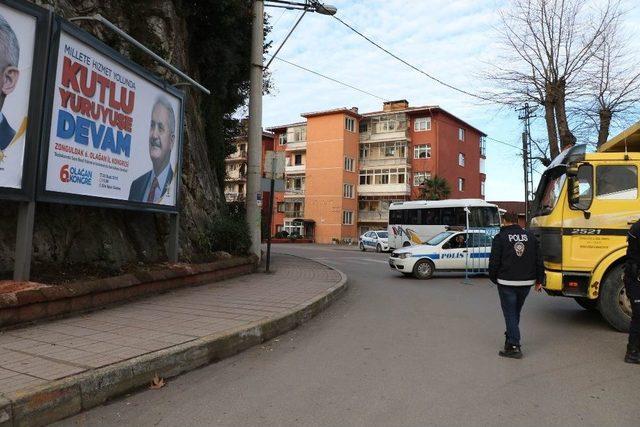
(115, 132)
(17, 45)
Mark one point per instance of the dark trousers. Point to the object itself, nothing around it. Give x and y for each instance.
(512, 299)
(633, 292)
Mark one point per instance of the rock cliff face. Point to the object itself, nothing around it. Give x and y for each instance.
(109, 238)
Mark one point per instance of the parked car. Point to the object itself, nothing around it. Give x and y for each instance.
(377, 240)
(447, 251)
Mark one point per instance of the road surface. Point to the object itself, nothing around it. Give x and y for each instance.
(399, 351)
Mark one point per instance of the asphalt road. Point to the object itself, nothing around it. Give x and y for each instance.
(399, 351)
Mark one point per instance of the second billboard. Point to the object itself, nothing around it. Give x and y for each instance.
(115, 131)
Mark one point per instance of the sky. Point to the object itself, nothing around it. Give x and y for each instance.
(454, 40)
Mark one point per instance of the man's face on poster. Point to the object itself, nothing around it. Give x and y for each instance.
(161, 136)
(9, 52)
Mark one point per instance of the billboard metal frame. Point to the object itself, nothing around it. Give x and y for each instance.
(33, 135)
(62, 26)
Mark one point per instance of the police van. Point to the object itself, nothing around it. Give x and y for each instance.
(448, 251)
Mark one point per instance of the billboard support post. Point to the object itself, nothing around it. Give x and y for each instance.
(174, 237)
(24, 241)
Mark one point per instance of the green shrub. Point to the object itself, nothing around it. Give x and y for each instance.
(228, 233)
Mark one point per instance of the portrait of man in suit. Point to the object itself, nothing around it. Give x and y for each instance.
(9, 55)
(153, 185)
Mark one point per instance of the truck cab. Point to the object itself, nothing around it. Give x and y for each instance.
(583, 209)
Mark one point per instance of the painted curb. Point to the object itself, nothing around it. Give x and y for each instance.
(41, 405)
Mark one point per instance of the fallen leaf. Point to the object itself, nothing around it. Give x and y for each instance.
(157, 382)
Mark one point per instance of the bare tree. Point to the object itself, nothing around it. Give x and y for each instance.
(613, 83)
(548, 45)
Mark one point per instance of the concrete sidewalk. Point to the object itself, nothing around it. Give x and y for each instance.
(55, 369)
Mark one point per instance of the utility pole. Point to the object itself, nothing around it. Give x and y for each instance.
(526, 114)
(254, 151)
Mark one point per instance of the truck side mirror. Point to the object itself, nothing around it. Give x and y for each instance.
(580, 188)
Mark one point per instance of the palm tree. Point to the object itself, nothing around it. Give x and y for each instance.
(435, 188)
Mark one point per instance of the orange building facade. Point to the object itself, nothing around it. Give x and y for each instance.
(344, 168)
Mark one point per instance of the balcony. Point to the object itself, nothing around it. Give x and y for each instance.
(295, 169)
(296, 146)
(384, 161)
(385, 136)
(384, 190)
(373, 216)
(238, 155)
(234, 197)
(293, 192)
(294, 214)
(236, 177)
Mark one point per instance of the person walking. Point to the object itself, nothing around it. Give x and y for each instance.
(632, 288)
(515, 266)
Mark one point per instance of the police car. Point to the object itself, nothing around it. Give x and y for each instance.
(447, 251)
(377, 240)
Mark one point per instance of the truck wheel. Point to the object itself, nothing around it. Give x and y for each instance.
(423, 269)
(587, 304)
(613, 302)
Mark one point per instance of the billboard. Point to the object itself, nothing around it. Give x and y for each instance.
(115, 132)
(23, 33)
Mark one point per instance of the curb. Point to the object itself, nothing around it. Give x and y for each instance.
(63, 398)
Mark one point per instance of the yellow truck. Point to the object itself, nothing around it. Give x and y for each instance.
(583, 208)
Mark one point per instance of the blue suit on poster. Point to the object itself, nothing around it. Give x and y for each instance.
(6, 133)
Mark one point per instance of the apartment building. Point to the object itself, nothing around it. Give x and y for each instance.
(235, 182)
(344, 168)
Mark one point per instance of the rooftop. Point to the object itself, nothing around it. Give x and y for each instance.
(354, 111)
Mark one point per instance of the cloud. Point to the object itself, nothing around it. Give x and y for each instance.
(451, 39)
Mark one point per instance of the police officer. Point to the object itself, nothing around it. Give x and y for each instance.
(632, 286)
(515, 266)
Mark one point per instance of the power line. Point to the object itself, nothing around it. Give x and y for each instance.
(505, 143)
(330, 78)
(408, 64)
(371, 94)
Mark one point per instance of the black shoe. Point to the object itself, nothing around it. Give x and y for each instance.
(511, 351)
(633, 354)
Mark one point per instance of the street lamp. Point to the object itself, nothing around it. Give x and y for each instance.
(255, 104)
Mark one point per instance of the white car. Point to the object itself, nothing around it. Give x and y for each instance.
(377, 240)
(447, 251)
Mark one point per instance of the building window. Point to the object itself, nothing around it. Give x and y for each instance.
(364, 127)
(420, 178)
(388, 126)
(483, 146)
(461, 134)
(297, 160)
(460, 184)
(282, 138)
(347, 191)
(383, 176)
(280, 207)
(460, 159)
(421, 151)
(347, 217)
(422, 124)
(482, 188)
(297, 134)
(349, 164)
(364, 151)
(350, 124)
